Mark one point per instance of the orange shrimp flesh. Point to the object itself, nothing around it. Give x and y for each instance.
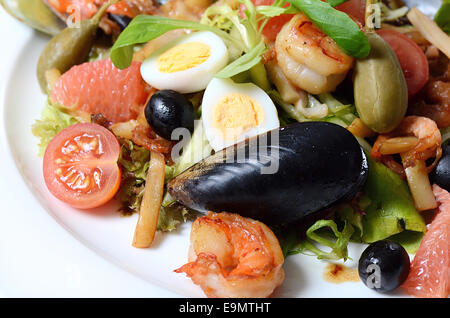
(309, 58)
(233, 256)
(413, 160)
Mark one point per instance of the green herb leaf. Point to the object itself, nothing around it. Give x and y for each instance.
(244, 63)
(273, 11)
(335, 3)
(338, 25)
(145, 28)
(442, 17)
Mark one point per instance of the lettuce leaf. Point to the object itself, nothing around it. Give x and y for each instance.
(173, 215)
(409, 240)
(442, 17)
(135, 162)
(322, 233)
(53, 120)
(392, 209)
(134, 159)
(389, 213)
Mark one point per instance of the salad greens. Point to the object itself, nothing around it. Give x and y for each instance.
(385, 211)
(53, 120)
(145, 28)
(335, 3)
(339, 113)
(243, 36)
(338, 25)
(135, 163)
(338, 246)
(385, 208)
(392, 209)
(442, 17)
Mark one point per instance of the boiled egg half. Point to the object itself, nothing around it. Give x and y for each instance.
(187, 64)
(233, 112)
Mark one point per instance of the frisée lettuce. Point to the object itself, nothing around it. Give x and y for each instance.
(53, 120)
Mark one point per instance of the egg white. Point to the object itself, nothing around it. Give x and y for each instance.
(220, 88)
(191, 80)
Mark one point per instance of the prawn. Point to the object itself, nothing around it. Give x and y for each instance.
(416, 139)
(309, 58)
(233, 256)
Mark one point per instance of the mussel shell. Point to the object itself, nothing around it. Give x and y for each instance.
(320, 164)
(34, 13)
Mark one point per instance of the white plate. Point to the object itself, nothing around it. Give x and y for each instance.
(50, 249)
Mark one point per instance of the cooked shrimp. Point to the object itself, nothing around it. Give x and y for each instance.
(428, 144)
(233, 256)
(309, 58)
(414, 152)
(429, 136)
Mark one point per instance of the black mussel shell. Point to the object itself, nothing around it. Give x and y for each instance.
(317, 164)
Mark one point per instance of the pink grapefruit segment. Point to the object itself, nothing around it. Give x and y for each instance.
(429, 275)
(101, 88)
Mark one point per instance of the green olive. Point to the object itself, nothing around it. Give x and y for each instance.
(381, 94)
(69, 47)
(35, 14)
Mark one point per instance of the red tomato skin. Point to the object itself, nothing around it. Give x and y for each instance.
(413, 61)
(354, 8)
(275, 24)
(107, 164)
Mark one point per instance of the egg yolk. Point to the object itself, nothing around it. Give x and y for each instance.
(183, 57)
(235, 114)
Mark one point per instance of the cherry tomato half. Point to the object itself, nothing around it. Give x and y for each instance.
(413, 61)
(80, 166)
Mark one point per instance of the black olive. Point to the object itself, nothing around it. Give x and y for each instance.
(441, 174)
(121, 20)
(168, 110)
(384, 266)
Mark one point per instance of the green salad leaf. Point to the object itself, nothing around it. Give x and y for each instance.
(339, 113)
(338, 25)
(392, 209)
(386, 211)
(338, 246)
(170, 217)
(323, 233)
(409, 240)
(244, 63)
(442, 17)
(335, 3)
(53, 120)
(134, 160)
(145, 28)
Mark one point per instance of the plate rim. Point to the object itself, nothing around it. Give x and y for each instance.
(22, 37)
